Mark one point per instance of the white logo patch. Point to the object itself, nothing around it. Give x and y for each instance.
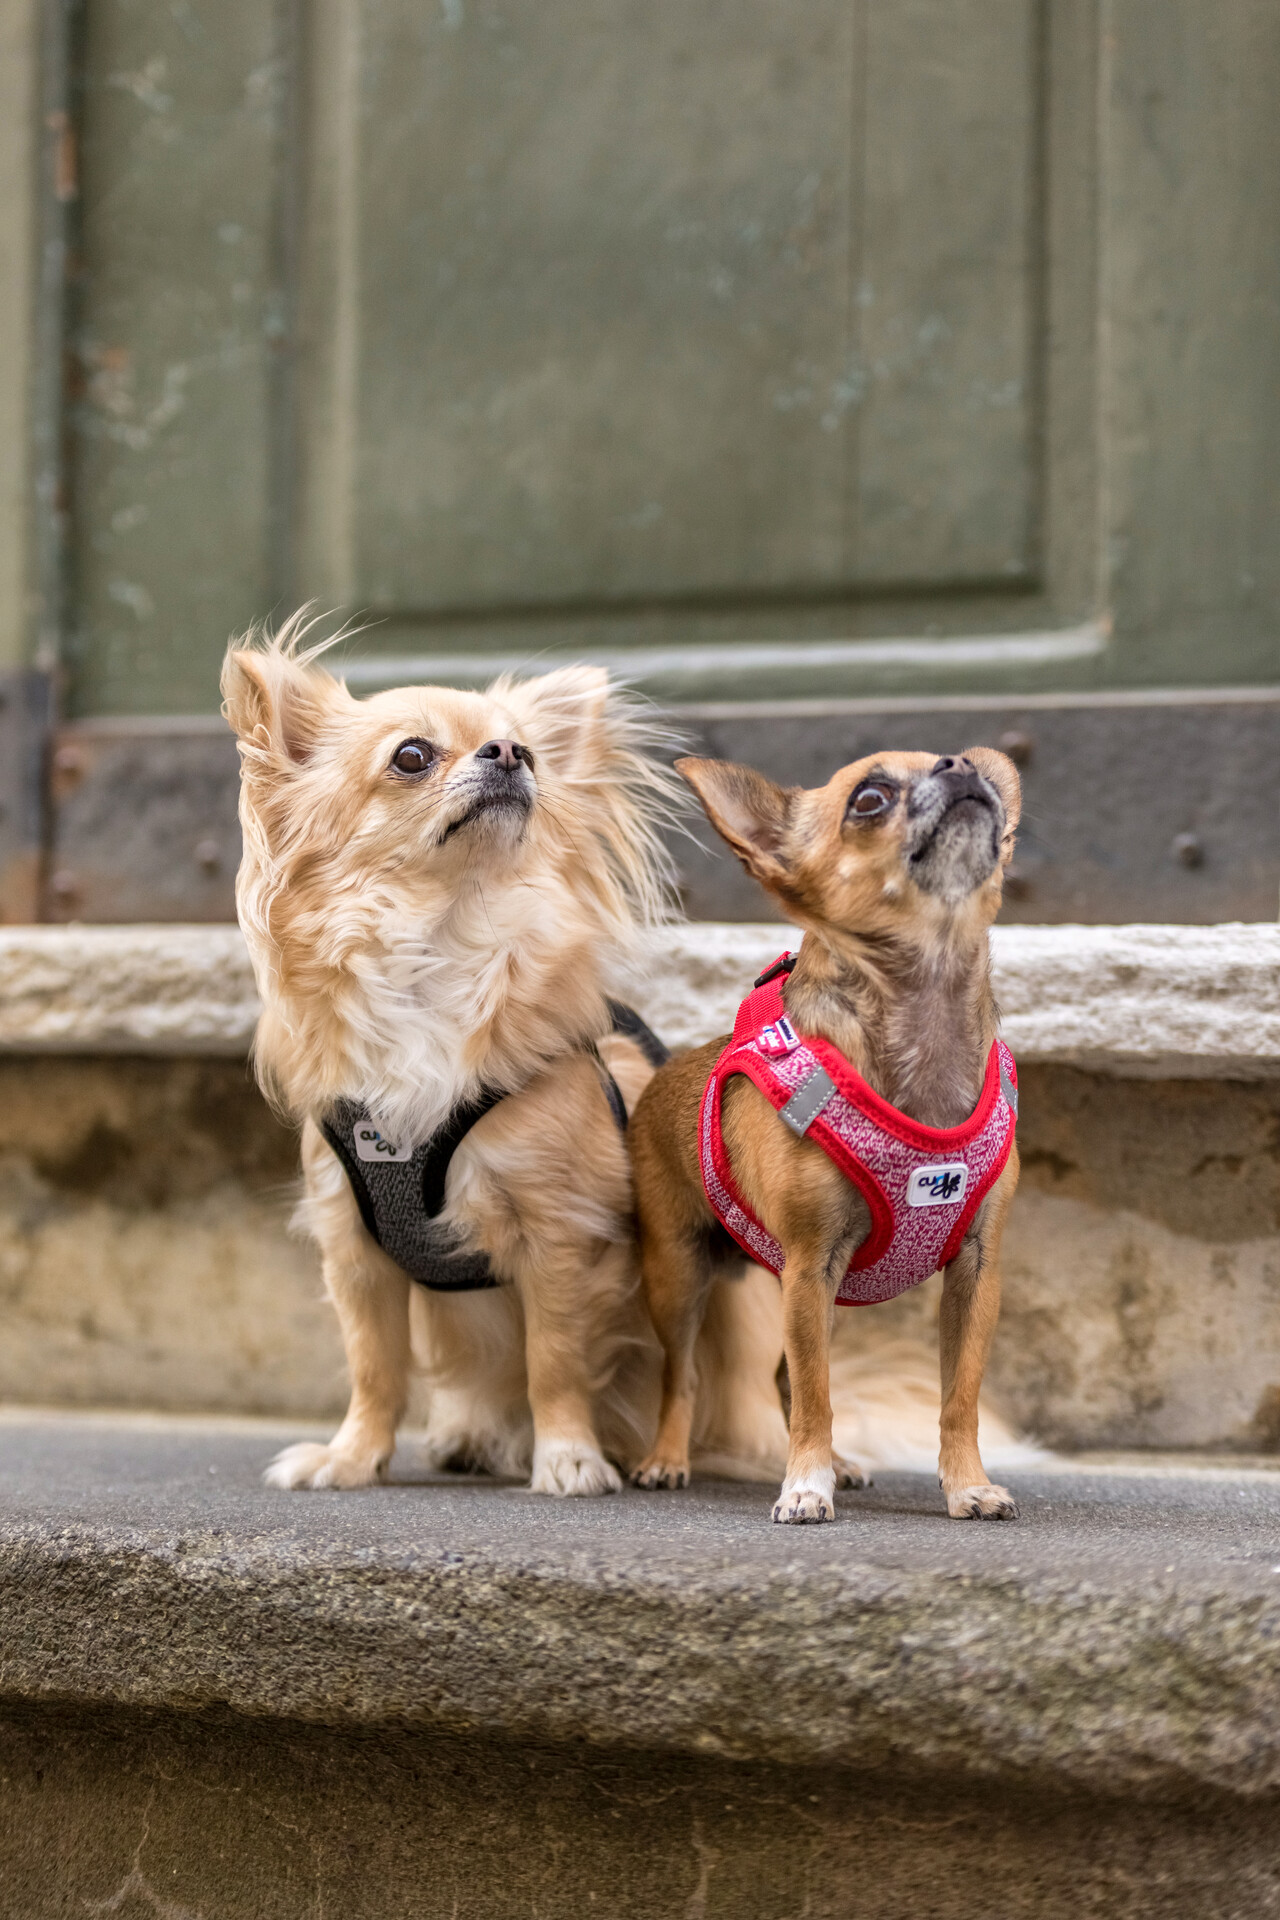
(371, 1145)
(937, 1186)
(779, 1039)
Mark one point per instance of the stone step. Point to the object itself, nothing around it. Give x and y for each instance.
(144, 1186)
(1148, 1000)
(445, 1697)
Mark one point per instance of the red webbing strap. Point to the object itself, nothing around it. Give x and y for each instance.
(762, 1006)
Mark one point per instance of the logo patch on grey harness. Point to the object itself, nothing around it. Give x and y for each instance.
(374, 1146)
(937, 1186)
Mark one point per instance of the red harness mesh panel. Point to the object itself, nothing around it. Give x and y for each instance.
(922, 1185)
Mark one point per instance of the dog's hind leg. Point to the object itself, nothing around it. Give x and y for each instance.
(371, 1296)
(740, 1431)
(676, 1269)
(967, 1321)
(471, 1347)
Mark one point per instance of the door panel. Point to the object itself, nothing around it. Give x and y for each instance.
(589, 324)
(646, 302)
(770, 349)
(946, 294)
(1192, 425)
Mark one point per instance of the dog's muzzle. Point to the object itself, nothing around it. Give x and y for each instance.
(956, 818)
(500, 781)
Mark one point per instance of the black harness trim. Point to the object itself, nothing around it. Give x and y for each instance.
(612, 1092)
(784, 964)
(627, 1022)
(400, 1200)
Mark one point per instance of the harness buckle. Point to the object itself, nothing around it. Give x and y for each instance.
(785, 963)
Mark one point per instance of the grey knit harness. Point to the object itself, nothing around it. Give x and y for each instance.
(401, 1195)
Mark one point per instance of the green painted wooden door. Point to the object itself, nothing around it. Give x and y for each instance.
(768, 345)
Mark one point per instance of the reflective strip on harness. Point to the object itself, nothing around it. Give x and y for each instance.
(808, 1100)
(922, 1185)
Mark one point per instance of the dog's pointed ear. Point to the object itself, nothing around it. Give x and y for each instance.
(275, 705)
(1003, 775)
(748, 811)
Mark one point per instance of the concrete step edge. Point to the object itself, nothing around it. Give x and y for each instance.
(692, 1627)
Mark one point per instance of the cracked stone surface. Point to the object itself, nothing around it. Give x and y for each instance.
(1122, 1638)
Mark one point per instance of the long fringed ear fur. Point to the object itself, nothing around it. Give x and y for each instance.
(1003, 775)
(275, 700)
(748, 811)
(568, 710)
(602, 745)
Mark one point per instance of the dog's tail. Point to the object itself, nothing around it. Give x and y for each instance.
(884, 1392)
(885, 1401)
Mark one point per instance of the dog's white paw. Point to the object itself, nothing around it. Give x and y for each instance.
(572, 1467)
(850, 1472)
(802, 1502)
(982, 1503)
(311, 1465)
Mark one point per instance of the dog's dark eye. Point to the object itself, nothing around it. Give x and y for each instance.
(413, 756)
(870, 799)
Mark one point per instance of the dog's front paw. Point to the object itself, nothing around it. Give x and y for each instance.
(656, 1472)
(806, 1501)
(311, 1465)
(572, 1467)
(850, 1472)
(982, 1503)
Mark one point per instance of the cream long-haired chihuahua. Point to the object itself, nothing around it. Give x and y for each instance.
(440, 891)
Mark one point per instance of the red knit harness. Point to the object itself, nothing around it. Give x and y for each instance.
(923, 1185)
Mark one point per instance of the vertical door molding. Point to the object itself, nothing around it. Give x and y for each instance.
(38, 182)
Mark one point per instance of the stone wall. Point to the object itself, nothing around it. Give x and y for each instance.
(1142, 1264)
(145, 1257)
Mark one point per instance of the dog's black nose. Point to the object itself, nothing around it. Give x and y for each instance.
(508, 753)
(960, 779)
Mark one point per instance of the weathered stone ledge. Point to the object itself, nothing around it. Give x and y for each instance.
(132, 989)
(1158, 1001)
(1120, 1640)
(1165, 1002)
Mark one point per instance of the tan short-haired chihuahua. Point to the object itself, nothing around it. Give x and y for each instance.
(894, 869)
